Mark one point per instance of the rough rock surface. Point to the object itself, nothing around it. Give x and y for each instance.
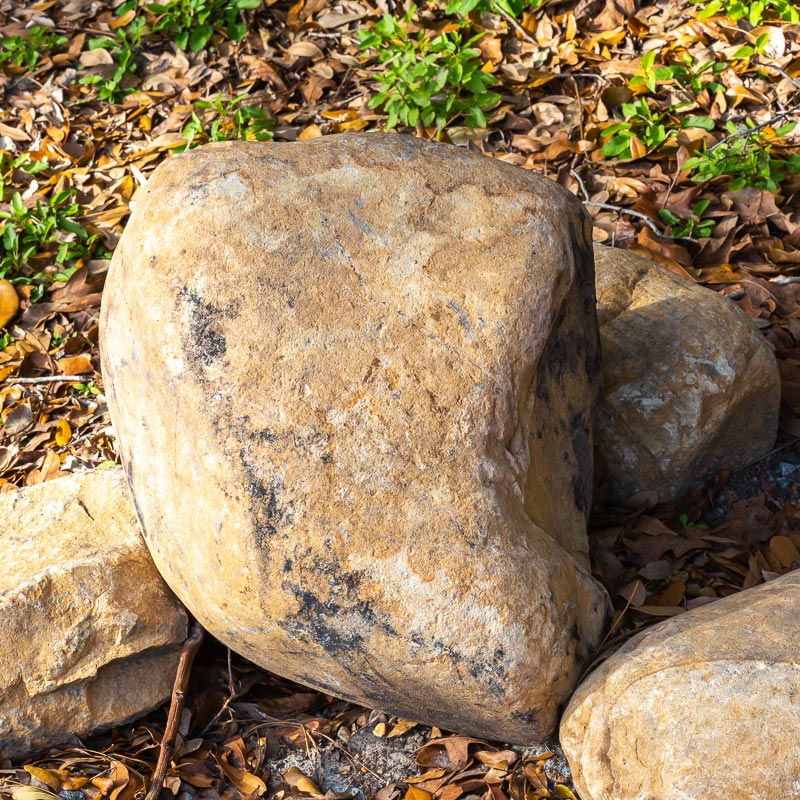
(91, 633)
(704, 705)
(352, 382)
(691, 387)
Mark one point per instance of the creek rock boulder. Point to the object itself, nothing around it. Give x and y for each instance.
(691, 387)
(352, 382)
(91, 633)
(704, 705)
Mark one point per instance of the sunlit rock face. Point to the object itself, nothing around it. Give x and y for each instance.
(681, 710)
(353, 382)
(91, 633)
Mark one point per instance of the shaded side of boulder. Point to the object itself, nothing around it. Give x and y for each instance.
(91, 633)
(704, 705)
(359, 440)
(691, 387)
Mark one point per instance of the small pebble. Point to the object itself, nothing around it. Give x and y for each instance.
(72, 794)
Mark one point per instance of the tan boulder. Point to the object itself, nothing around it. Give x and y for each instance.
(352, 381)
(91, 633)
(704, 705)
(691, 387)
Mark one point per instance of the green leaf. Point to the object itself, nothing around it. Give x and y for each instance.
(17, 206)
(199, 37)
(668, 217)
(705, 123)
(648, 59)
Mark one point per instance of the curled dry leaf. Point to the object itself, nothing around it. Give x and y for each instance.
(32, 793)
(9, 302)
(401, 726)
(246, 782)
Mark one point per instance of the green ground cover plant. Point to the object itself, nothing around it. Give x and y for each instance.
(428, 81)
(190, 23)
(40, 244)
(754, 11)
(746, 159)
(24, 51)
(231, 120)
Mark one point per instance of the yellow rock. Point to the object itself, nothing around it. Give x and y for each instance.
(360, 442)
(691, 387)
(704, 705)
(91, 634)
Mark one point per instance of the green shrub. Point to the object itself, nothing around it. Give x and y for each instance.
(429, 82)
(190, 23)
(754, 11)
(41, 245)
(232, 121)
(25, 51)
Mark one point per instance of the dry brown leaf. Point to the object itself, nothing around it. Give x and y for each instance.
(9, 302)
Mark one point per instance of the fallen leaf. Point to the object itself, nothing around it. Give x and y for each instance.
(9, 302)
(401, 726)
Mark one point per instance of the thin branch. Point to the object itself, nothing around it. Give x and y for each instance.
(748, 132)
(582, 185)
(619, 209)
(188, 652)
(779, 70)
(50, 379)
(514, 24)
(638, 214)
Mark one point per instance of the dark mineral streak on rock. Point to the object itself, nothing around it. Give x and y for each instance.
(581, 447)
(206, 342)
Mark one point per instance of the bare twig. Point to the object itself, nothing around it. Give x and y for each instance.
(514, 24)
(188, 652)
(619, 209)
(779, 70)
(50, 379)
(748, 132)
(582, 185)
(598, 653)
(638, 214)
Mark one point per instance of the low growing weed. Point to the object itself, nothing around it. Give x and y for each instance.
(755, 12)
(190, 23)
(232, 121)
(25, 51)
(688, 75)
(641, 131)
(512, 8)
(428, 82)
(693, 227)
(123, 48)
(42, 244)
(746, 158)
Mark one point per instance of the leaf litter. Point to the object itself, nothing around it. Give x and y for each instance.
(656, 114)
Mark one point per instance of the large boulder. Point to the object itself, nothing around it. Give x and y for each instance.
(91, 633)
(704, 705)
(691, 387)
(353, 383)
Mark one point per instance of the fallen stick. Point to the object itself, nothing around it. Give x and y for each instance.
(188, 652)
(51, 379)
